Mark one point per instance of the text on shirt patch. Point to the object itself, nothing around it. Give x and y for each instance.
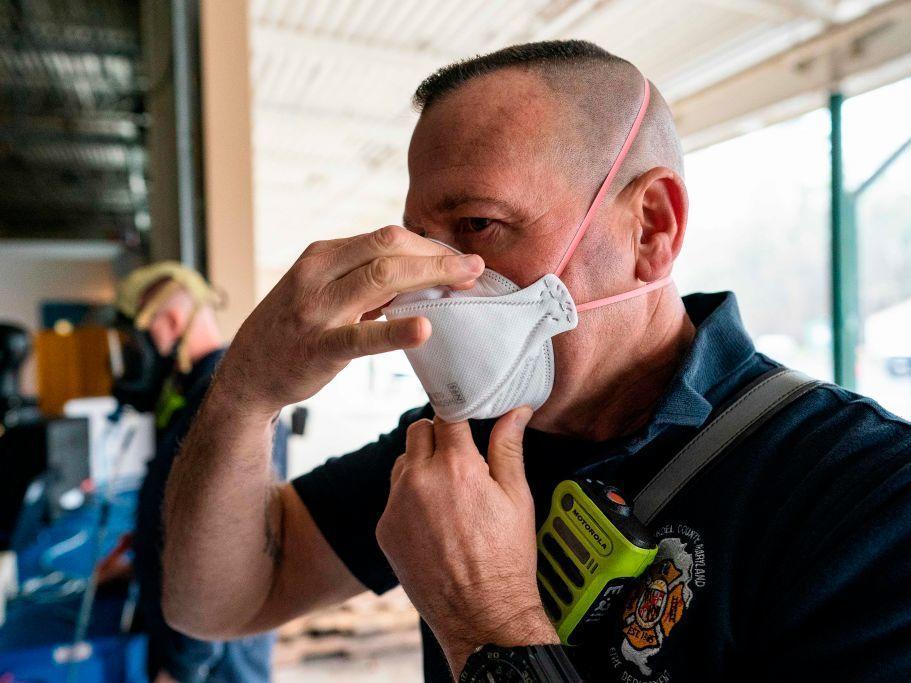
(659, 600)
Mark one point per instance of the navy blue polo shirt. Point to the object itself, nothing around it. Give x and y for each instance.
(788, 560)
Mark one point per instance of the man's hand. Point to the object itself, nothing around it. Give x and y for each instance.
(228, 569)
(317, 318)
(460, 535)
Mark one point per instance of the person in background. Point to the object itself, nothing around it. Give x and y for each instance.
(171, 309)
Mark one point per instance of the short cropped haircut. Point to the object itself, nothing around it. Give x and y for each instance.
(548, 53)
(601, 91)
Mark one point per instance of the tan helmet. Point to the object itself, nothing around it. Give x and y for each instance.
(176, 276)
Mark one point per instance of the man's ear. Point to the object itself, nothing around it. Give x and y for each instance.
(174, 320)
(659, 202)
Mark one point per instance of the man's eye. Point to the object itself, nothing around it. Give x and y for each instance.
(475, 224)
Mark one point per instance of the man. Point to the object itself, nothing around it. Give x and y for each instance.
(173, 305)
(786, 561)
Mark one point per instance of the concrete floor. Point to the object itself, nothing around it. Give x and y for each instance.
(402, 667)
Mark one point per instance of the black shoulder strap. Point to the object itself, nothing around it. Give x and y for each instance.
(755, 404)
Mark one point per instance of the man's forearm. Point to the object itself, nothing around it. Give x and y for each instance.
(223, 512)
(222, 520)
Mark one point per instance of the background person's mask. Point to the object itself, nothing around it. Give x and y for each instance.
(490, 350)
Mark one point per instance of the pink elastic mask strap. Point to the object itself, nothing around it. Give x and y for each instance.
(596, 203)
(639, 291)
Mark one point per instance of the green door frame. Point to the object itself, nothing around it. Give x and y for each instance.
(845, 281)
(845, 308)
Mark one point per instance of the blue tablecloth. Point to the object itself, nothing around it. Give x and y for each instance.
(39, 628)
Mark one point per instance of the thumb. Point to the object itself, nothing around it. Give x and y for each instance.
(504, 452)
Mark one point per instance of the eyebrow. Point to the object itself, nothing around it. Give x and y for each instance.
(452, 202)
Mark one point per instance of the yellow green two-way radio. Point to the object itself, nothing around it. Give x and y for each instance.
(589, 548)
(592, 545)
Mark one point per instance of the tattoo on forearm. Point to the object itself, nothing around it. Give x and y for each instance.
(273, 537)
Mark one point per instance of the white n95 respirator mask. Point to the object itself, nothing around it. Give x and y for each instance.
(490, 349)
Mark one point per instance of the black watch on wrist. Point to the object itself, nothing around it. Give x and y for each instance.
(527, 664)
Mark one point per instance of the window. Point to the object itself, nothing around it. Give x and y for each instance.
(877, 161)
(760, 225)
(362, 402)
(759, 217)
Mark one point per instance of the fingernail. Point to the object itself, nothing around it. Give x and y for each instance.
(410, 333)
(522, 416)
(471, 263)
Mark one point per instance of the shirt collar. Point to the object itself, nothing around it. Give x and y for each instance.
(201, 371)
(720, 346)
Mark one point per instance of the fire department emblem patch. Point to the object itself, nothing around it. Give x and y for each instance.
(657, 604)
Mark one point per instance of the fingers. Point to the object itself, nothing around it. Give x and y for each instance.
(419, 440)
(397, 468)
(370, 337)
(452, 437)
(365, 272)
(352, 253)
(504, 452)
(323, 246)
(419, 445)
(380, 280)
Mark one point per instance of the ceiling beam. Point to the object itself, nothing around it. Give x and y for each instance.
(827, 10)
(278, 39)
(119, 126)
(33, 223)
(776, 10)
(24, 40)
(269, 115)
(542, 28)
(19, 136)
(70, 250)
(89, 179)
(61, 197)
(46, 97)
(795, 81)
(571, 17)
(12, 111)
(63, 155)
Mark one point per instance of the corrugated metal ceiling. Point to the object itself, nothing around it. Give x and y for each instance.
(72, 161)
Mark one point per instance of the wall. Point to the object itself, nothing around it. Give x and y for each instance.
(30, 274)
(227, 156)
